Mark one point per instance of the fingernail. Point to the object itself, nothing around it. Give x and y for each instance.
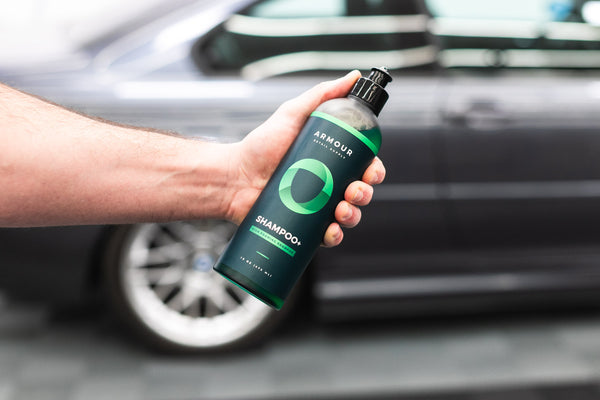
(358, 195)
(339, 235)
(354, 71)
(348, 212)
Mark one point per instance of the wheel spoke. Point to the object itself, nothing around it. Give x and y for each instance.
(167, 253)
(236, 293)
(164, 292)
(162, 276)
(223, 299)
(211, 309)
(176, 302)
(182, 232)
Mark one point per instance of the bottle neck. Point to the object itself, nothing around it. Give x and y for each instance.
(370, 94)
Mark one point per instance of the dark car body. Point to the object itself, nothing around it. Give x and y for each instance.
(492, 194)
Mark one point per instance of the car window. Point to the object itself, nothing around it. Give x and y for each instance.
(507, 34)
(298, 8)
(276, 37)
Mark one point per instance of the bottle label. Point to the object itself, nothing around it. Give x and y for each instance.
(315, 204)
(285, 227)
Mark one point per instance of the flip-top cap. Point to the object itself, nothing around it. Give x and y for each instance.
(370, 90)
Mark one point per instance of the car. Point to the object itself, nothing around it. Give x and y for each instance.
(490, 140)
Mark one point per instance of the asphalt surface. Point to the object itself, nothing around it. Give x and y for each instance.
(85, 355)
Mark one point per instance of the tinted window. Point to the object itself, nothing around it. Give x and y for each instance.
(297, 9)
(277, 37)
(514, 33)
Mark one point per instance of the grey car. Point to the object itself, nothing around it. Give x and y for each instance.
(490, 141)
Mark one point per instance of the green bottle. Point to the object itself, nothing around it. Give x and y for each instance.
(276, 241)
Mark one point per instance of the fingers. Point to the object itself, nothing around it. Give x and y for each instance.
(359, 193)
(375, 173)
(333, 235)
(347, 215)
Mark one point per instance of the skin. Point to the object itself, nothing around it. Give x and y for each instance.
(58, 167)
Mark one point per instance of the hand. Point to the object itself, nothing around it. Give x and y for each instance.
(254, 159)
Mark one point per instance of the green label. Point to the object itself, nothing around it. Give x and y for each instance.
(273, 240)
(318, 202)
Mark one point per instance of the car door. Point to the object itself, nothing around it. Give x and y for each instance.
(521, 161)
(521, 117)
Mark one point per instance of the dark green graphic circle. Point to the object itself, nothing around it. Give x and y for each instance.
(318, 202)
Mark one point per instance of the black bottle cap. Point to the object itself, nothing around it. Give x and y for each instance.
(370, 90)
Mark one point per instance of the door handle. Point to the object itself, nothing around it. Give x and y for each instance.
(481, 115)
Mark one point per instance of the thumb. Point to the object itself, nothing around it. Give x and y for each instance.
(301, 106)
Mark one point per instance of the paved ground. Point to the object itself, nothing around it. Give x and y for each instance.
(74, 357)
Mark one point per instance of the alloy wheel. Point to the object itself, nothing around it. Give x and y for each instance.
(168, 282)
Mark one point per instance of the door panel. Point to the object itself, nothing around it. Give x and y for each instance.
(522, 162)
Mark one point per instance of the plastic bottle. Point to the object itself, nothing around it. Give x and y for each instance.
(276, 241)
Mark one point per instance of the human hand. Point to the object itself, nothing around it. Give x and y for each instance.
(254, 159)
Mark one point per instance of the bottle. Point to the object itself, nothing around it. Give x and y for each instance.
(276, 241)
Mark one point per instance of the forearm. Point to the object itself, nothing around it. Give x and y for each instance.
(58, 167)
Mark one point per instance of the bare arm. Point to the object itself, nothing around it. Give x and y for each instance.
(58, 167)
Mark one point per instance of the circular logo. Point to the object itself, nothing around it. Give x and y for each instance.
(315, 167)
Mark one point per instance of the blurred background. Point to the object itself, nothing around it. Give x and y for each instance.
(475, 273)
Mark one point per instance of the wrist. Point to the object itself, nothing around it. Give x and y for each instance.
(209, 169)
(234, 183)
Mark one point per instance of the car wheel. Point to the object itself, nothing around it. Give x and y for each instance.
(161, 282)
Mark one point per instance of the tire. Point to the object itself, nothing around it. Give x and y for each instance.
(160, 280)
